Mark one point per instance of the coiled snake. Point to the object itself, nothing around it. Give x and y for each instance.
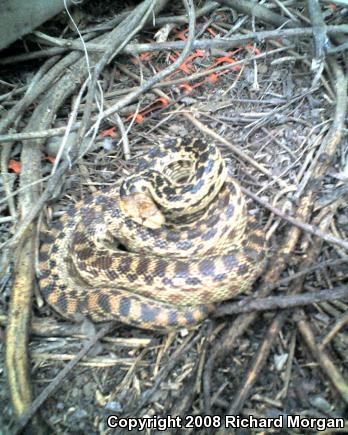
(160, 248)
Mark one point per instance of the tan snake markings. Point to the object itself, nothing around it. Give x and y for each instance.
(159, 249)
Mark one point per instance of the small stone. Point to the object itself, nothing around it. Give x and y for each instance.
(280, 361)
(79, 414)
(60, 406)
(320, 403)
(108, 144)
(113, 406)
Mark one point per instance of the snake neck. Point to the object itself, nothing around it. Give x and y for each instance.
(181, 180)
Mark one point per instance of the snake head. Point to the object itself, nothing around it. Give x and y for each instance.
(141, 208)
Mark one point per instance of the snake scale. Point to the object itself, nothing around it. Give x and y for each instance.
(158, 249)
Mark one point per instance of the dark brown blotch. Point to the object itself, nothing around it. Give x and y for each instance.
(72, 293)
(220, 277)
(172, 236)
(221, 168)
(168, 190)
(201, 145)
(61, 235)
(207, 267)
(160, 268)
(58, 225)
(192, 281)
(257, 240)
(143, 265)
(148, 279)
(103, 303)
(54, 249)
(124, 307)
(172, 318)
(52, 264)
(44, 273)
(193, 233)
(211, 189)
(131, 277)
(251, 254)
(71, 211)
(79, 237)
(47, 290)
(243, 269)
(204, 157)
(229, 210)
(125, 264)
(229, 261)
(209, 234)
(48, 238)
(44, 256)
(149, 313)
(112, 274)
(84, 253)
(212, 220)
(184, 245)
(189, 317)
(62, 303)
(159, 181)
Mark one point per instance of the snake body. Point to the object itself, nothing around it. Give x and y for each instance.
(158, 249)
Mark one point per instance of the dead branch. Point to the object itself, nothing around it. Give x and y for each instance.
(281, 302)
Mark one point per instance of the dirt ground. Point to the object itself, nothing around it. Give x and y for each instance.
(286, 122)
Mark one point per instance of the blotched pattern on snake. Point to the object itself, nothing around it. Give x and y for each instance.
(160, 248)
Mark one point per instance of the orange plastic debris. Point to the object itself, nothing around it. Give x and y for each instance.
(181, 34)
(139, 118)
(15, 166)
(163, 101)
(145, 56)
(186, 65)
(155, 105)
(253, 49)
(213, 78)
(226, 59)
(110, 132)
(183, 67)
(212, 32)
(186, 87)
(51, 159)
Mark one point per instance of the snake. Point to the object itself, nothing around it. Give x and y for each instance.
(160, 248)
